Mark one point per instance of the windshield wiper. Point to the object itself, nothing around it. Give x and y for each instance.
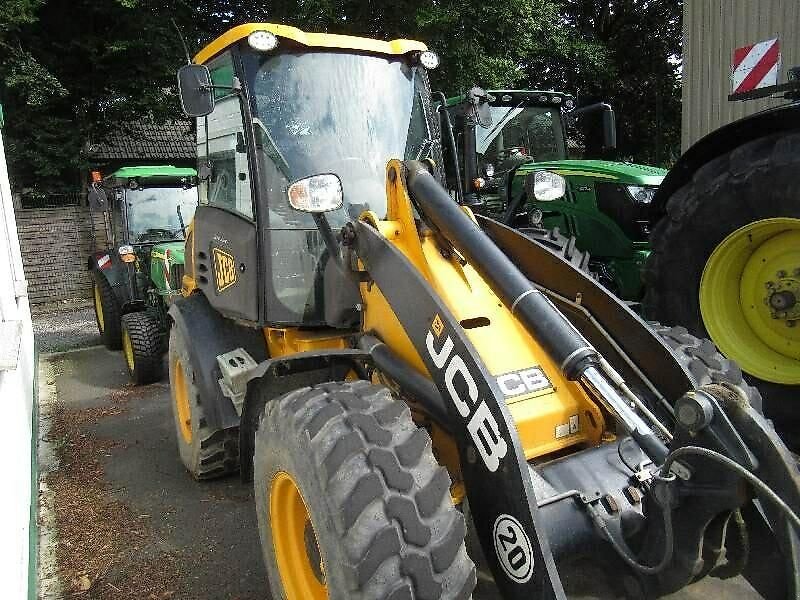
(503, 120)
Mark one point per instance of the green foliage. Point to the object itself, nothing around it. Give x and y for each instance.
(72, 69)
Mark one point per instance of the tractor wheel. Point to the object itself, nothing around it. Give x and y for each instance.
(141, 346)
(106, 312)
(206, 452)
(726, 265)
(351, 503)
(704, 362)
(559, 244)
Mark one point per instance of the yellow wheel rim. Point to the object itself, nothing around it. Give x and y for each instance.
(181, 392)
(127, 349)
(98, 309)
(295, 542)
(750, 298)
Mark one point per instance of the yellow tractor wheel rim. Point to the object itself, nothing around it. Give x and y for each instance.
(182, 408)
(98, 309)
(750, 298)
(127, 349)
(295, 542)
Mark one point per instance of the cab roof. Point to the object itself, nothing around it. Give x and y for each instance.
(513, 97)
(150, 175)
(312, 40)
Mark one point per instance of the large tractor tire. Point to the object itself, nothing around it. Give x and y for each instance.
(206, 452)
(106, 311)
(142, 347)
(726, 265)
(351, 503)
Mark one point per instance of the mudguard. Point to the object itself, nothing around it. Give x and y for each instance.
(209, 335)
(110, 266)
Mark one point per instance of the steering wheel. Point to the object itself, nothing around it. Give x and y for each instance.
(512, 151)
(155, 232)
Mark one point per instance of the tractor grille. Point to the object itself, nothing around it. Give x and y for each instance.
(175, 276)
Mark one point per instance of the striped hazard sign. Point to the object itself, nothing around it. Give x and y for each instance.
(755, 66)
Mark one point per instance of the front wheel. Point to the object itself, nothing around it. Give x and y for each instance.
(351, 503)
(141, 347)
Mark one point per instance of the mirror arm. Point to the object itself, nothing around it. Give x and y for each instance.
(331, 244)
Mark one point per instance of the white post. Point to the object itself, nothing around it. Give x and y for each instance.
(17, 371)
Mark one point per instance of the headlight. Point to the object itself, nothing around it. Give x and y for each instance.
(488, 168)
(545, 186)
(641, 194)
(429, 60)
(263, 41)
(316, 194)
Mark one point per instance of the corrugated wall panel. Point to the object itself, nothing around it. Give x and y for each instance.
(712, 30)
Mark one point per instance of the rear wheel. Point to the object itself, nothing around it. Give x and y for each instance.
(106, 311)
(726, 265)
(206, 452)
(351, 503)
(141, 347)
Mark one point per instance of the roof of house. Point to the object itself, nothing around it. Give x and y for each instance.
(141, 141)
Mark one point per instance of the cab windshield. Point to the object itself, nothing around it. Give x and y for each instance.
(336, 112)
(153, 213)
(533, 131)
(318, 112)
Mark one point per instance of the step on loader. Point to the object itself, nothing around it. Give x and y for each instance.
(419, 394)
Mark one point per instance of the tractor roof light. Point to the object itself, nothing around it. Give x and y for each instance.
(262, 40)
(556, 99)
(316, 194)
(429, 59)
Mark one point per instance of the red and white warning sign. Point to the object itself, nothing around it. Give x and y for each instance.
(755, 66)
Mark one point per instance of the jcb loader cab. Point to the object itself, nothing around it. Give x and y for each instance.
(146, 210)
(409, 403)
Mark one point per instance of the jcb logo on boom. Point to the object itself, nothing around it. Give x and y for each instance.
(225, 274)
(463, 390)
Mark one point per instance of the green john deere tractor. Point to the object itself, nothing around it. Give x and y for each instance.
(135, 278)
(604, 205)
(714, 249)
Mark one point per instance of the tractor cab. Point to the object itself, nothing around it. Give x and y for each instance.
(146, 211)
(288, 121)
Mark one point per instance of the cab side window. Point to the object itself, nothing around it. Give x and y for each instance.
(228, 185)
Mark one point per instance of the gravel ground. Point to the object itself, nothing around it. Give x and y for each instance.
(67, 325)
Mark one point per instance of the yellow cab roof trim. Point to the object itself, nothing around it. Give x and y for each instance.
(313, 40)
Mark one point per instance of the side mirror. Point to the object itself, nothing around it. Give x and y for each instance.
(98, 200)
(609, 129)
(478, 106)
(196, 90)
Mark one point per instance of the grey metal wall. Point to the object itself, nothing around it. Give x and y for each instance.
(712, 29)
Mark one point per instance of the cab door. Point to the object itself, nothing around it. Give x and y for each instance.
(225, 240)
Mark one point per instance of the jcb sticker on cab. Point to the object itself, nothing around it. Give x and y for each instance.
(225, 274)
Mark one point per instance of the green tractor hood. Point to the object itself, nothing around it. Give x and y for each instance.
(620, 172)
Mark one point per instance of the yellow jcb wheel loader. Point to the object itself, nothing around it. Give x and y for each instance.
(416, 392)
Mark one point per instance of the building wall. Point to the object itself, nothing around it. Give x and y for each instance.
(18, 518)
(56, 243)
(712, 29)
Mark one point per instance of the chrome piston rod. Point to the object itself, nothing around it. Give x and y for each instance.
(639, 430)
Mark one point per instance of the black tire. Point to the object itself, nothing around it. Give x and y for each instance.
(142, 347)
(206, 452)
(757, 180)
(704, 362)
(379, 504)
(108, 324)
(559, 244)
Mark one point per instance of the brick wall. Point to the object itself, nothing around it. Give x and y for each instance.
(56, 243)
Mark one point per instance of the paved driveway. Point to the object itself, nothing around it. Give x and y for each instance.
(131, 523)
